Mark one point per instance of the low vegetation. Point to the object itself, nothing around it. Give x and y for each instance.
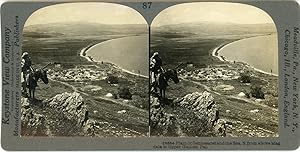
(125, 93)
(245, 77)
(112, 79)
(256, 92)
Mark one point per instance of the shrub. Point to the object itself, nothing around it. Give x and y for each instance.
(112, 79)
(124, 93)
(256, 92)
(245, 77)
(115, 95)
(247, 95)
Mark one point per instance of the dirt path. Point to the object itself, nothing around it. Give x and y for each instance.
(104, 109)
(202, 85)
(231, 96)
(102, 98)
(246, 121)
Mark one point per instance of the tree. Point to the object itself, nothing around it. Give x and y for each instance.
(112, 79)
(256, 92)
(245, 77)
(125, 93)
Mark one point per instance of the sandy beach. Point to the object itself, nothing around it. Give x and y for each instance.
(90, 59)
(216, 53)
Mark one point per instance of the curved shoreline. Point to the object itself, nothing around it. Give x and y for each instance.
(215, 53)
(85, 50)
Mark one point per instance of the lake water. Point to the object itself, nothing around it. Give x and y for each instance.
(260, 52)
(129, 53)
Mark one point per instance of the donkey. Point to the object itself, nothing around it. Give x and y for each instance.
(162, 81)
(33, 78)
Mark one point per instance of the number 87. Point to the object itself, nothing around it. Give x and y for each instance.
(147, 5)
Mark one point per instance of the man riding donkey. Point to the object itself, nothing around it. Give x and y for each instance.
(160, 77)
(155, 69)
(26, 69)
(31, 76)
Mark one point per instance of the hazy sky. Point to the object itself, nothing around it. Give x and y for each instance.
(212, 12)
(109, 13)
(105, 13)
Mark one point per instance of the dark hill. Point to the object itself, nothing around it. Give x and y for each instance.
(212, 29)
(85, 29)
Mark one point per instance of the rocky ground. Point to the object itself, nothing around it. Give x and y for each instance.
(212, 101)
(223, 72)
(194, 115)
(226, 79)
(82, 102)
(65, 114)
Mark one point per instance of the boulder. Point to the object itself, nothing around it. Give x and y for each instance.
(220, 128)
(31, 119)
(25, 103)
(96, 89)
(121, 112)
(154, 102)
(71, 105)
(258, 100)
(202, 104)
(195, 114)
(254, 111)
(32, 123)
(109, 95)
(241, 94)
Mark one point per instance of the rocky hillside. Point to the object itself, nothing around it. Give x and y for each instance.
(65, 114)
(195, 114)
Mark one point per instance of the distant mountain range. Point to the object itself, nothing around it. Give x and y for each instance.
(82, 29)
(96, 29)
(212, 28)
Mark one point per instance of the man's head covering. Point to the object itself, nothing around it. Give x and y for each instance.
(25, 54)
(155, 54)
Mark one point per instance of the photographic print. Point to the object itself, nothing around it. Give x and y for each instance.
(85, 71)
(214, 71)
(150, 75)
